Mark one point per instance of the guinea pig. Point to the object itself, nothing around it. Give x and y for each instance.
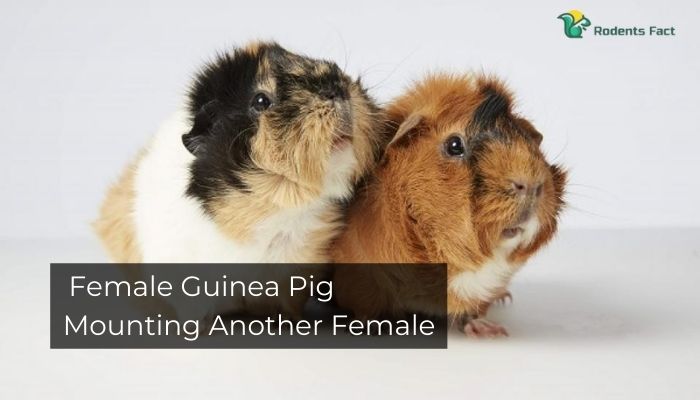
(252, 170)
(464, 182)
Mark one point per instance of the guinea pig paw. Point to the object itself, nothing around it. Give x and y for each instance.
(504, 298)
(483, 328)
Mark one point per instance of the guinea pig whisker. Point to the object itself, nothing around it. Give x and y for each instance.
(556, 157)
(372, 113)
(592, 214)
(235, 139)
(585, 196)
(345, 49)
(393, 71)
(599, 189)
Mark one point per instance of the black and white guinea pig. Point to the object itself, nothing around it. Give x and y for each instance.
(254, 168)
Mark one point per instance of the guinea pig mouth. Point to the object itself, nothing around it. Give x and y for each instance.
(341, 139)
(343, 132)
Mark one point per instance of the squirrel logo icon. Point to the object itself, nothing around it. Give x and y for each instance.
(574, 23)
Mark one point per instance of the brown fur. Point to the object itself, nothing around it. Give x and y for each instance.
(115, 227)
(423, 207)
(291, 171)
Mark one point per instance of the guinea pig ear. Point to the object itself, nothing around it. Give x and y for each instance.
(201, 127)
(529, 130)
(406, 128)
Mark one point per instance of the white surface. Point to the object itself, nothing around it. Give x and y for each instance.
(83, 85)
(597, 315)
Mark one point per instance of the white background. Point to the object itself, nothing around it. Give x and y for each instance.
(84, 84)
(608, 310)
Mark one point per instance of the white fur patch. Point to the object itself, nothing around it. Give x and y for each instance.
(495, 274)
(530, 229)
(483, 283)
(342, 166)
(172, 227)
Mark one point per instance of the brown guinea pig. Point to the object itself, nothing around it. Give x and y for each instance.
(463, 182)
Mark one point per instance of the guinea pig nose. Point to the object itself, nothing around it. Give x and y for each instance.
(519, 187)
(523, 188)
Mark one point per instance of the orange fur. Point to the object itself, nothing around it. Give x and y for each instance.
(420, 206)
(114, 226)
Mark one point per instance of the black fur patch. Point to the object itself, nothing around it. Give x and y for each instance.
(294, 91)
(219, 102)
(495, 104)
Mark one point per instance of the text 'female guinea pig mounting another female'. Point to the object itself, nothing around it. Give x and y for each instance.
(270, 144)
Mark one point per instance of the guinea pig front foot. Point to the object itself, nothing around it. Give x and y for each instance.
(482, 328)
(503, 298)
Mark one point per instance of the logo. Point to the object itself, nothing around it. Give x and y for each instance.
(574, 23)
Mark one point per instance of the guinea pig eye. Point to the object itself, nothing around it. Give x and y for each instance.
(454, 146)
(261, 102)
